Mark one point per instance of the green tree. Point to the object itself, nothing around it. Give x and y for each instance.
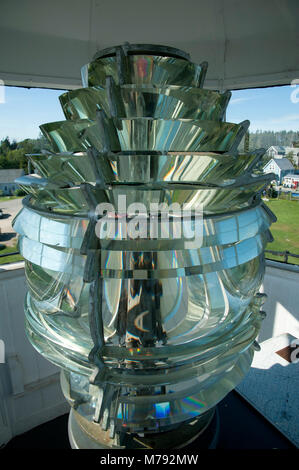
(5, 146)
(290, 157)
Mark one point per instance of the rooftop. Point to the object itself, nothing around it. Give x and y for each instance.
(283, 163)
(293, 176)
(283, 150)
(9, 175)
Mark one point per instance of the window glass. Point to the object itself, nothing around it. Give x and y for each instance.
(274, 125)
(22, 110)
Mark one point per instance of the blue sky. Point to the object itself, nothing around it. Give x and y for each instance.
(267, 108)
(25, 109)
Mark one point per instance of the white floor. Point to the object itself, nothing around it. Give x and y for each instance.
(272, 386)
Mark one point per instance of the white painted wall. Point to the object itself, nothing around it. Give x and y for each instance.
(281, 285)
(247, 43)
(29, 385)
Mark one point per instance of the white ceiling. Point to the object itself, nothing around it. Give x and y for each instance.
(247, 43)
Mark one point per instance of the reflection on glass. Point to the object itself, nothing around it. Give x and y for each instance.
(153, 330)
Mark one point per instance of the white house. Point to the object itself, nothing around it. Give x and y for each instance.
(7, 180)
(279, 151)
(280, 167)
(291, 181)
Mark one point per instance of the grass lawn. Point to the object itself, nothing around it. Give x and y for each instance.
(286, 230)
(8, 198)
(9, 259)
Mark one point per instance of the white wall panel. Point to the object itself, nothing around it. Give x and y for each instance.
(39, 398)
(45, 43)
(30, 391)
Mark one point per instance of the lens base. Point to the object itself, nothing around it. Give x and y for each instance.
(201, 432)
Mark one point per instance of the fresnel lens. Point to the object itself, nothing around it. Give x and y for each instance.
(143, 234)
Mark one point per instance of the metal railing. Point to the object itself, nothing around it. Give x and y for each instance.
(9, 254)
(284, 254)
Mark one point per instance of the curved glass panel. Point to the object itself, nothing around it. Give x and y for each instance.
(216, 200)
(131, 101)
(201, 167)
(159, 264)
(69, 233)
(147, 134)
(143, 236)
(144, 69)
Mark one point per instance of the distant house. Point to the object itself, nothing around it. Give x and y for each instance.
(291, 181)
(7, 180)
(280, 167)
(279, 151)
